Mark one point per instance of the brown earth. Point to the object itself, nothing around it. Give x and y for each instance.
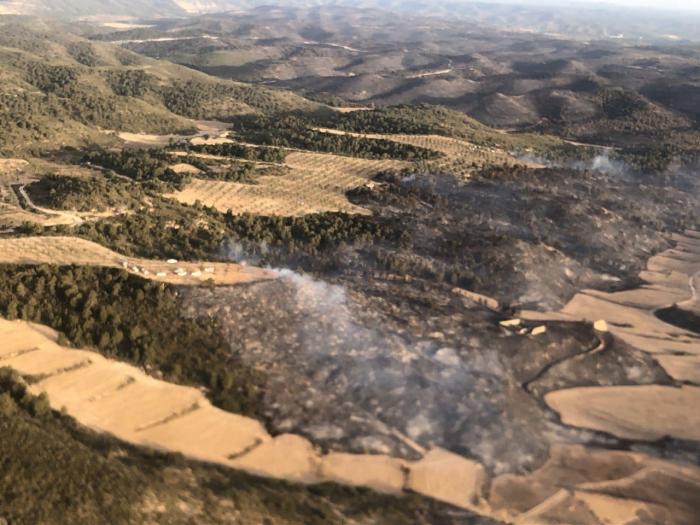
(642, 412)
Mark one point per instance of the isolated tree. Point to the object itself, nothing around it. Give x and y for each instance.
(8, 407)
(12, 310)
(40, 405)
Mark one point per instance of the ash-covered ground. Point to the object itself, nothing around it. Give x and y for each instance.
(534, 237)
(376, 350)
(382, 368)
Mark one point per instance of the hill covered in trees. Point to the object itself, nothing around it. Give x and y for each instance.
(59, 88)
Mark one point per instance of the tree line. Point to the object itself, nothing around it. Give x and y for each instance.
(132, 319)
(295, 132)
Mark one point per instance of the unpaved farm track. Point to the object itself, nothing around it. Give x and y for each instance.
(56, 216)
(65, 251)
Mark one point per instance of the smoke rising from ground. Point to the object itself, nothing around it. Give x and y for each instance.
(367, 363)
(348, 375)
(604, 164)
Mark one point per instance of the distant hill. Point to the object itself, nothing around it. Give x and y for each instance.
(59, 88)
(588, 90)
(131, 8)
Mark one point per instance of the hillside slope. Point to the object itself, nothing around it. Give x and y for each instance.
(59, 88)
(121, 8)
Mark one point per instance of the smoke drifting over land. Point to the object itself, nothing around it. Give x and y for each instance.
(343, 372)
(381, 356)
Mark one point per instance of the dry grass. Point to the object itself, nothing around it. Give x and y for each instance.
(73, 250)
(350, 109)
(182, 167)
(639, 412)
(214, 130)
(315, 183)
(13, 216)
(318, 182)
(122, 400)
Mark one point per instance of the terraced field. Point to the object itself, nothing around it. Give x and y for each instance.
(122, 400)
(76, 251)
(577, 484)
(316, 182)
(642, 412)
(455, 150)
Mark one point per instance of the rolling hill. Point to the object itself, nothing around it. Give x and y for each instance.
(58, 87)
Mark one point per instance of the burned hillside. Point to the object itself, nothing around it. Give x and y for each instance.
(524, 236)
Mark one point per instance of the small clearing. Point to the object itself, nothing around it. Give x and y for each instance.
(207, 130)
(64, 251)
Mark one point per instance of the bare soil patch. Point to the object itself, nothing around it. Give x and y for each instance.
(644, 412)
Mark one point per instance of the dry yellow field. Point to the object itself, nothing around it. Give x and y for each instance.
(73, 250)
(13, 216)
(352, 109)
(216, 131)
(120, 399)
(316, 182)
(643, 412)
(114, 397)
(117, 398)
(183, 167)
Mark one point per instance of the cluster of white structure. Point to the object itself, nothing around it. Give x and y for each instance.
(180, 272)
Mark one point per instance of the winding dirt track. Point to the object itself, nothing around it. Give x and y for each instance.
(642, 412)
(577, 485)
(57, 216)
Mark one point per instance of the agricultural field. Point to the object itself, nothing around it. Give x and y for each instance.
(468, 304)
(315, 183)
(98, 391)
(454, 149)
(64, 251)
(318, 182)
(206, 130)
